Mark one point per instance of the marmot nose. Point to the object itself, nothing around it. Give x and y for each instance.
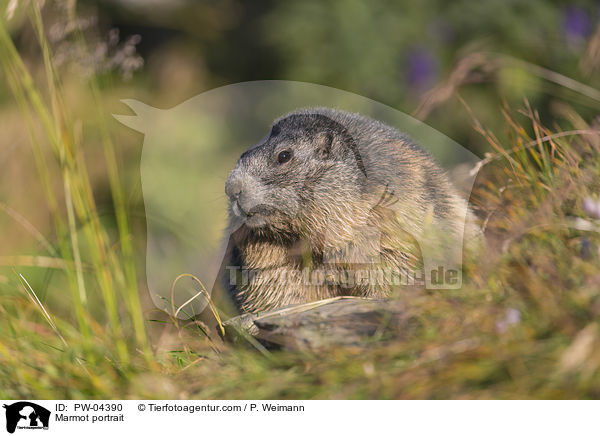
(233, 188)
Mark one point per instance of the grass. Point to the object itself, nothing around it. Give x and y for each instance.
(525, 325)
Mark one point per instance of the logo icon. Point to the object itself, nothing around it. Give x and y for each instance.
(26, 415)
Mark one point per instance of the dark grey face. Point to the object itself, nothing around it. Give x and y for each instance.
(305, 159)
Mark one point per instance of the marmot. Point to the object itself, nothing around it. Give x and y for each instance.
(330, 203)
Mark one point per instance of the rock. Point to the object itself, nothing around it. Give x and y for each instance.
(341, 321)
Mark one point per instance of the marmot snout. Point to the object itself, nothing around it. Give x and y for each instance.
(329, 196)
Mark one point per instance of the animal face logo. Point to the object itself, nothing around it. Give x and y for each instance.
(190, 149)
(26, 415)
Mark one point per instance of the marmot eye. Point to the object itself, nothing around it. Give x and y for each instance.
(284, 156)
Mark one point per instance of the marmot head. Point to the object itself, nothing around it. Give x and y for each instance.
(307, 164)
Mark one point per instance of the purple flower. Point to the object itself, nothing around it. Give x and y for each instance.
(421, 70)
(586, 248)
(511, 317)
(576, 23)
(591, 207)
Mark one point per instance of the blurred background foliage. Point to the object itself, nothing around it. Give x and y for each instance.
(393, 52)
(432, 59)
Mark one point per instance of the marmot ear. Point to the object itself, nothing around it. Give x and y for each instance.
(324, 144)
